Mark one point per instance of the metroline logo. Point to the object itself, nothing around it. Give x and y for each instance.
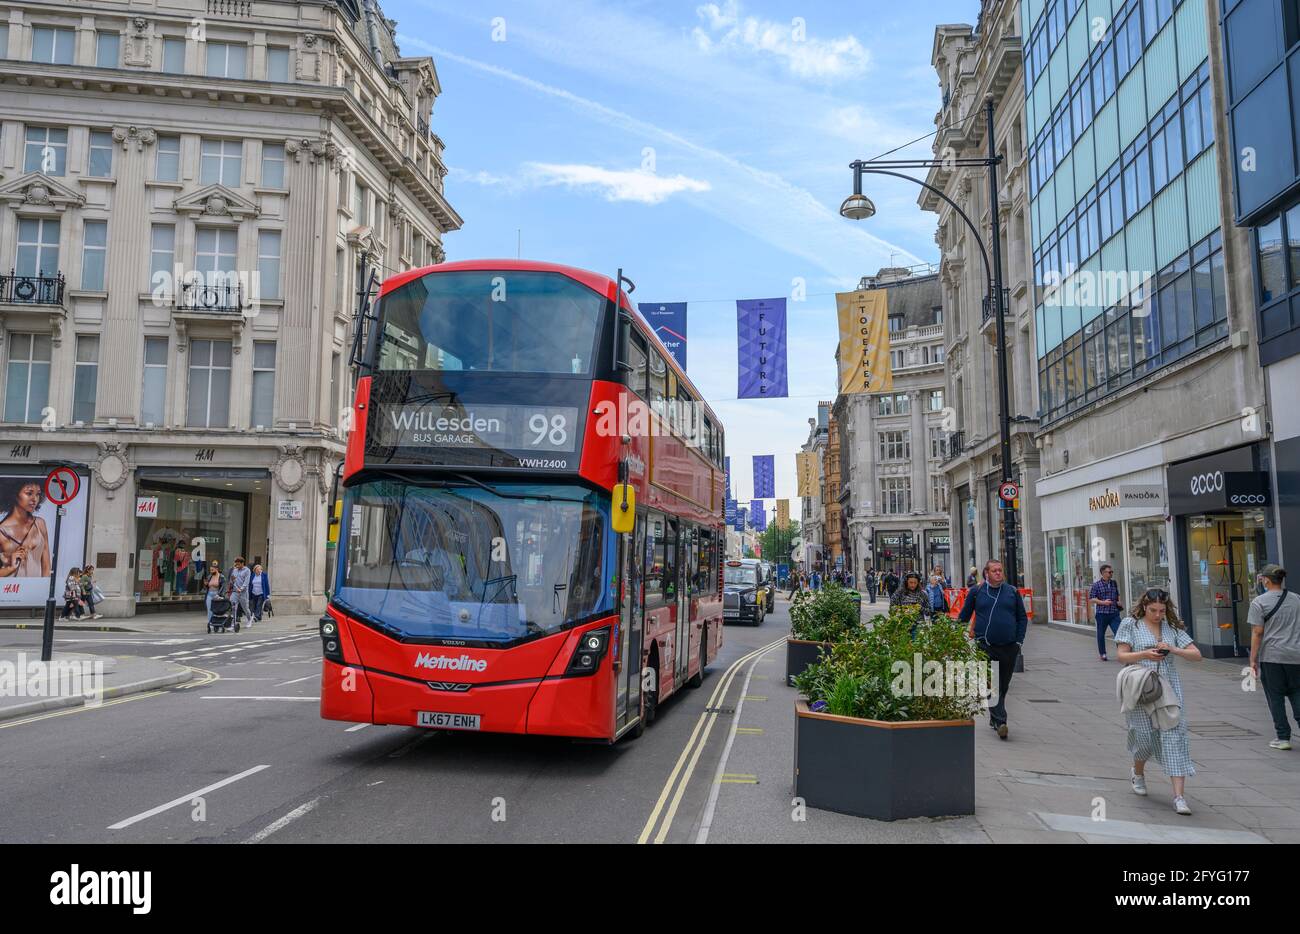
(463, 663)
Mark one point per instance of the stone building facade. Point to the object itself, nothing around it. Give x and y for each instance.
(189, 187)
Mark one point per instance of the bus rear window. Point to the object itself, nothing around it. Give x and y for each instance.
(491, 321)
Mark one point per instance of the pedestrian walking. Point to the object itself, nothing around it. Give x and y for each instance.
(72, 602)
(90, 593)
(938, 600)
(240, 581)
(213, 583)
(1153, 637)
(793, 583)
(998, 623)
(816, 580)
(911, 593)
(891, 582)
(1275, 649)
(259, 588)
(1103, 597)
(869, 581)
(972, 578)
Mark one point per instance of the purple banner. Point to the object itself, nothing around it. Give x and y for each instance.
(758, 515)
(669, 321)
(731, 511)
(761, 344)
(726, 461)
(765, 475)
(740, 518)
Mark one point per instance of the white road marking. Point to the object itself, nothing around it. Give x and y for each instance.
(359, 726)
(256, 697)
(1151, 833)
(185, 799)
(295, 680)
(283, 822)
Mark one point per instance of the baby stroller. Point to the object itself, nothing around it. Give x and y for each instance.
(221, 619)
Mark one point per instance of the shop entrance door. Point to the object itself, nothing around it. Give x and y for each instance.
(1225, 553)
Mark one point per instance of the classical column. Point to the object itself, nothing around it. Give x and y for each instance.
(121, 345)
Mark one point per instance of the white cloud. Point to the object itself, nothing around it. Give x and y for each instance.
(726, 30)
(614, 184)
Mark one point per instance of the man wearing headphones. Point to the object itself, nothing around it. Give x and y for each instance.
(998, 622)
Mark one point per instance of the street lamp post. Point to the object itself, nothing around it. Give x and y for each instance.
(858, 207)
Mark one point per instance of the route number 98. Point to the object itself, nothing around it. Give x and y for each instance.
(556, 430)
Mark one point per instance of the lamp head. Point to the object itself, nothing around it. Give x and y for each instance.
(857, 207)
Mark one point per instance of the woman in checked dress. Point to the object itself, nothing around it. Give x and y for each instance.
(1154, 637)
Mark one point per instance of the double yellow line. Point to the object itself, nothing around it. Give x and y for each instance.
(694, 747)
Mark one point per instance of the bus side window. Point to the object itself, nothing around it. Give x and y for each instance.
(654, 559)
(669, 579)
(658, 381)
(637, 376)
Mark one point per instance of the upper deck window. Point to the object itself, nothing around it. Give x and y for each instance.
(490, 321)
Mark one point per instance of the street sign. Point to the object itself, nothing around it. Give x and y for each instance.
(1008, 491)
(61, 486)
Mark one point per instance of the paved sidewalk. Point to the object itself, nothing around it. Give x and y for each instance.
(1065, 764)
(76, 679)
(168, 624)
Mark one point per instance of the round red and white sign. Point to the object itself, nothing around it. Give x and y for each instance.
(61, 486)
(1008, 491)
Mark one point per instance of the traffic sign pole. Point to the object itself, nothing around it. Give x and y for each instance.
(61, 487)
(47, 633)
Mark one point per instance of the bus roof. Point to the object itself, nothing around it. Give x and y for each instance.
(603, 285)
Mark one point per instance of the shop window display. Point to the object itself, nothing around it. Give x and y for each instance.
(178, 535)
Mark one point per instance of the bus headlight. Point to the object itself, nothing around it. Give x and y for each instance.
(330, 647)
(592, 647)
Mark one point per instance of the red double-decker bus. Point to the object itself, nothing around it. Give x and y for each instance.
(501, 409)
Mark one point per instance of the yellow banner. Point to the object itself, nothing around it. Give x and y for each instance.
(864, 341)
(805, 469)
(783, 513)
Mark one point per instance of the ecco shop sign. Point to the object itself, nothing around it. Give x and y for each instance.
(1196, 487)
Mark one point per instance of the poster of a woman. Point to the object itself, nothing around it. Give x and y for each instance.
(24, 539)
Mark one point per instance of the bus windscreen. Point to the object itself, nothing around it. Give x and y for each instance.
(495, 564)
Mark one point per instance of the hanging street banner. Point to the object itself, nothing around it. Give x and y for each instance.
(669, 321)
(783, 513)
(864, 341)
(740, 518)
(765, 475)
(731, 511)
(761, 343)
(726, 463)
(805, 468)
(758, 515)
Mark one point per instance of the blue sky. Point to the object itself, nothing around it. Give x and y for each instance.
(703, 147)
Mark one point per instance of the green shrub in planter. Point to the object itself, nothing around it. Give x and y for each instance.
(888, 673)
(827, 615)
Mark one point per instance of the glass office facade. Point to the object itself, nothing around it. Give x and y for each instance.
(1124, 195)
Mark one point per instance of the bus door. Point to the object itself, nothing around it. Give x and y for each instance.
(682, 641)
(632, 615)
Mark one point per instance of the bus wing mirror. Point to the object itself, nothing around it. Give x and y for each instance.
(623, 512)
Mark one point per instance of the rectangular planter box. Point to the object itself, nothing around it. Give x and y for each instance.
(799, 654)
(885, 771)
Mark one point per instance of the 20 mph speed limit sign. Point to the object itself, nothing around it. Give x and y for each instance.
(1008, 491)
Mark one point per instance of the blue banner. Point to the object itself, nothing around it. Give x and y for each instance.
(731, 511)
(758, 515)
(669, 322)
(760, 339)
(765, 475)
(726, 461)
(740, 518)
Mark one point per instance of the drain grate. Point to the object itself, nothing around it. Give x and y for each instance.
(1042, 700)
(729, 710)
(1220, 729)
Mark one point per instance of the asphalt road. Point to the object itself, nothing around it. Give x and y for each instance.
(242, 755)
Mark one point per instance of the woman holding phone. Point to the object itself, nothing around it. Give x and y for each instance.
(1154, 637)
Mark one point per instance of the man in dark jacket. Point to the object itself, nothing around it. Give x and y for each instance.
(998, 623)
